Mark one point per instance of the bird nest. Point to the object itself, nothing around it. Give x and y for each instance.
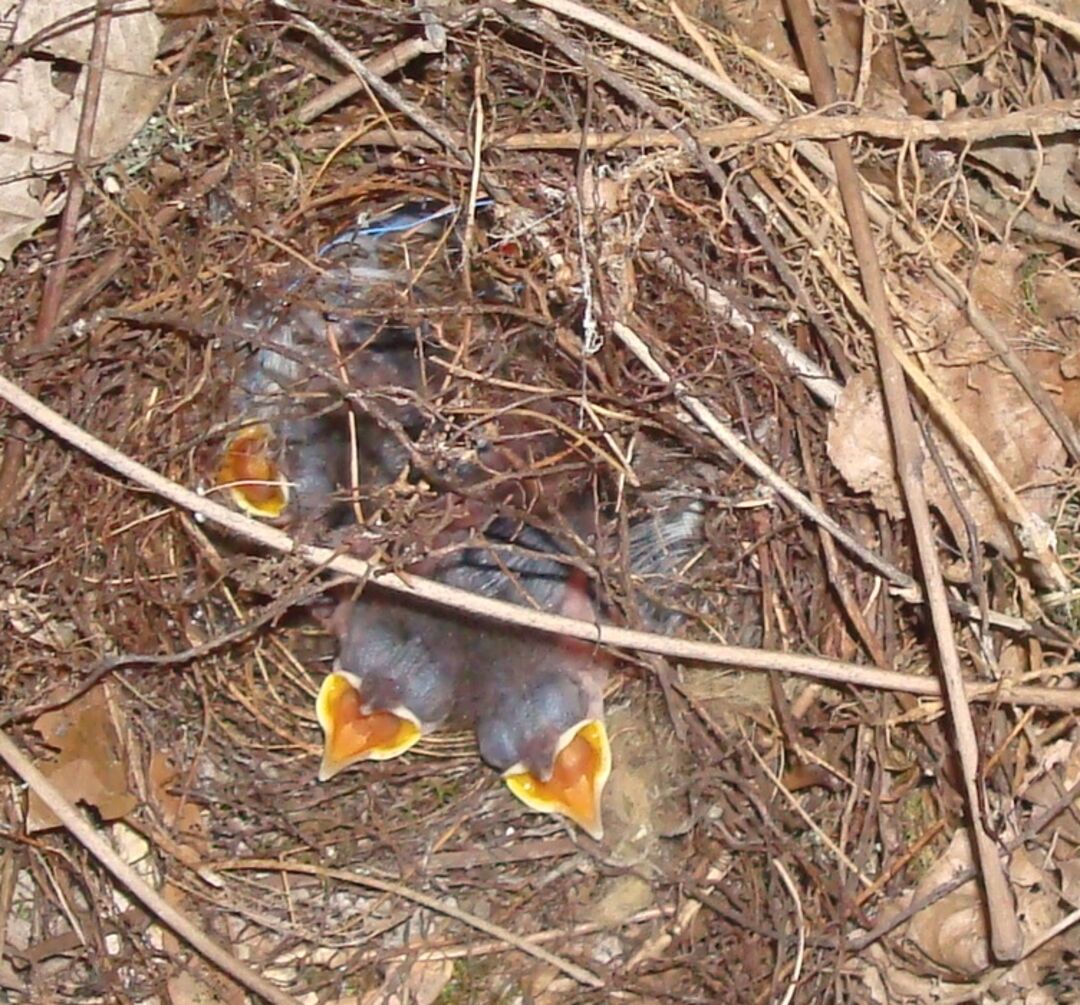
(649, 248)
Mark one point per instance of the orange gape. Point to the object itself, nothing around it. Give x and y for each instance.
(355, 732)
(577, 780)
(355, 735)
(573, 777)
(252, 477)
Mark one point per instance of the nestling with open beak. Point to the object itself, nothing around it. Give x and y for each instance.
(534, 699)
(322, 335)
(345, 396)
(397, 678)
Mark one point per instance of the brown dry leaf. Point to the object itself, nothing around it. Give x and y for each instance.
(41, 100)
(1054, 165)
(23, 202)
(759, 23)
(1040, 790)
(427, 979)
(1070, 881)
(182, 817)
(988, 399)
(952, 932)
(91, 766)
(887, 983)
(941, 28)
(32, 617)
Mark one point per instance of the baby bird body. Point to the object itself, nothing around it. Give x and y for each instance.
(392, 682)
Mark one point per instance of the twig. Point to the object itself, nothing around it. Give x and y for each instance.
(809, 373)
(469, 950)
(386, 62)
(379, 86)
(579, 974)
(1041, 120)
(726, 436)
(1005, 936)
(248, 529)
(297, 596)
(1039, 13)
(796, 971)
(95, 844)
(655, 947)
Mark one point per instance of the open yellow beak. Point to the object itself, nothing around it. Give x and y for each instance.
(351, 734)
(252, 477)
(582, 767)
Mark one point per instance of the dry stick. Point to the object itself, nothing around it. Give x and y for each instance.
(1042, 120)
(379, 86)
(94, 843)
(728, 438)
(813, 377)
(248, 529)
(1031, 530)
(469, 950)
(1039, 13)
(579, 974)
(386, 62)
(1006, 939)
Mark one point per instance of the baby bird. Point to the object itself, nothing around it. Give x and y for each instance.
(396, 678)
(300, 445)
(535, 700)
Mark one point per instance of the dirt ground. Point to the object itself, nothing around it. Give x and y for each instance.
(850, 772)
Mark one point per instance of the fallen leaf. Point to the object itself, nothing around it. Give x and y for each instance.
(952, 932)
(41, 99)
(993, 406)
(427, 978)
(186, 989)
(90, 766)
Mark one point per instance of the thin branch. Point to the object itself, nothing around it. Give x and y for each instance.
(1005, 936)
(248, 529)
